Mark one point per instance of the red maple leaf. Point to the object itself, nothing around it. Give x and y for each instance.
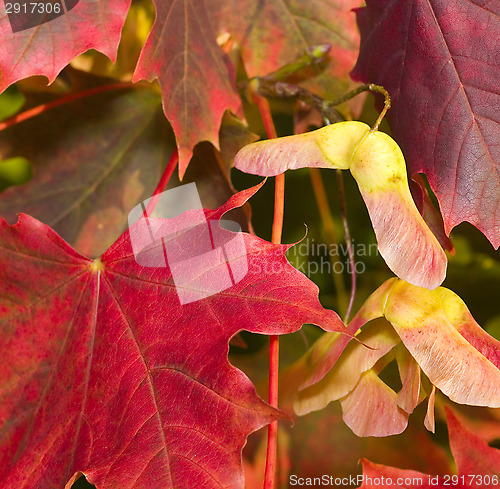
(432, 57)
(105, 373)
(196, 77)
(48, 48)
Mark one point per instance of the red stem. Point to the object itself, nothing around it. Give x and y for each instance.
(279, 208)
(169, 170)
(39, 109)
(272, 430)
(265, 113)
(274, 345)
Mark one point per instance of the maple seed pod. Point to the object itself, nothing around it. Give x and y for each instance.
(406, 243)
(453, 350)
(329, 147)
(376, 162)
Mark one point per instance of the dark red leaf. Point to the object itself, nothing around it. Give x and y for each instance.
(443, 78)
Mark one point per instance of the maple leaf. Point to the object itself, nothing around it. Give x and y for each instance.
(48, 48)
(478, 465)
(84, 185)
(105, 373)
(183, 54)
(443, 81)
(274, 33)
(196, 77)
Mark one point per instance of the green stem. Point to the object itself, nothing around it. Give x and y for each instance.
(387, 103)
(313, 55)
(270, 88)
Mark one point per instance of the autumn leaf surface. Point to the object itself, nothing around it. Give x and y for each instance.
(196, 77)
(105, 373)
(192, 69)
(273, 33)
(48, 48)
(478, 465)
(84, 185)
(443, 80)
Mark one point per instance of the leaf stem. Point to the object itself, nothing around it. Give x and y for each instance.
(348, 239)
(169, 170)
(279, 202)
(329, 228)
(40, 109)
(279, 194)
(272, 431)
(265, 112)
